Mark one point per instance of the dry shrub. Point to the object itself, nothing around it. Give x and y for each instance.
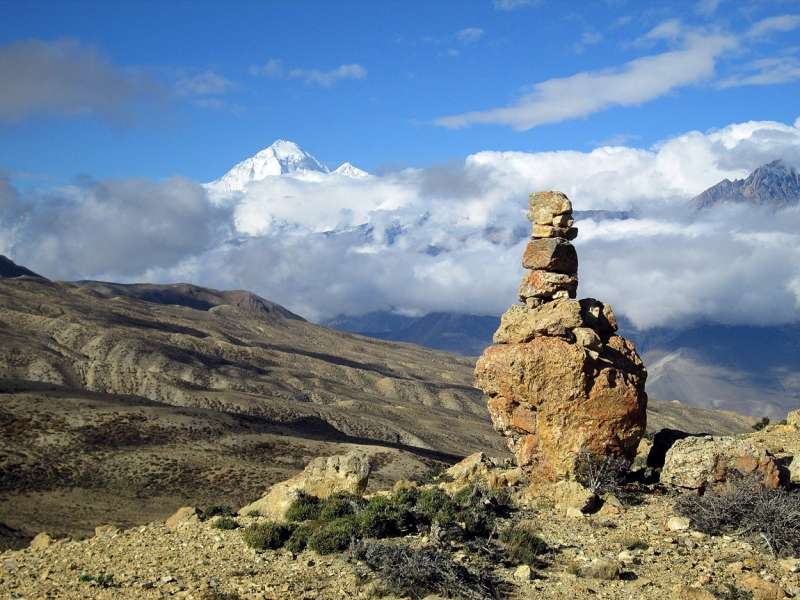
(743, 506)
(419, 573)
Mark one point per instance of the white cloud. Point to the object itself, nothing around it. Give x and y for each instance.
(329, 78)
(634, 83)
(470, 34)
(203, 84)
(768, 71)
(65, 78)
(512, 4)
(444, 238)
(115, 227)
(778, 23)
(273, 68)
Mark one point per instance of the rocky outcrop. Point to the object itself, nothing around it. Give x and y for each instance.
(697, 462)
(487, 471)
(561, 381)
(322, 477)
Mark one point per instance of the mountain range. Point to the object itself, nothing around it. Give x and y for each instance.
(774, 185)
(281, 158)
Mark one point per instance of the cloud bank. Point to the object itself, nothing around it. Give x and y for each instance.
(66, 79)
(443, 238)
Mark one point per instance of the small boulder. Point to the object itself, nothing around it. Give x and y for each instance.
(494, 473)
(322, 477)
(678, 523)
(187, 514)
(600, 568)
(106, 531)
(761, 588)
(42, 540)
(572, 494)
(523, 573)
(696, 462)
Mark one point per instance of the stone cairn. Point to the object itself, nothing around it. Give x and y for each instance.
(561, 383)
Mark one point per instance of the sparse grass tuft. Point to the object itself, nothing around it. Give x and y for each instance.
(523, 545)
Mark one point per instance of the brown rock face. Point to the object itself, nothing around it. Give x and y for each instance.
(552, 254)
(561, 381)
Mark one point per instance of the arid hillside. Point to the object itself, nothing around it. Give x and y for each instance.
(116, 409)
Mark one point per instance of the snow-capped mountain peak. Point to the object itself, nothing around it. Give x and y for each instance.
(349, 170)
(280, 158)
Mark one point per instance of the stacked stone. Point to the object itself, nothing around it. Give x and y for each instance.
(561, 382)
(551, 258)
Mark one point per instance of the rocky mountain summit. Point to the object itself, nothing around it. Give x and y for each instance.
(774, 185)
(561, 382)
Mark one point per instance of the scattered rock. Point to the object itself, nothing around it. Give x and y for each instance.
(688, 592)
(762, 589)
(322, 477)
(572, 494)
(678, 524)
(106, 531)
(600, 568)
(187, 514)
(491, 472)
(561, 382)
(42, 540)
(523, 573)
(790, 565)
(696, 462)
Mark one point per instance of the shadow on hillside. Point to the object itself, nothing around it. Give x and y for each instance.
(307, 427)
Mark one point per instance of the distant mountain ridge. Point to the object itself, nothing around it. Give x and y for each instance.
(190, 296)
(465, 335)
(281, 158)
(774, 185)
(9, 269)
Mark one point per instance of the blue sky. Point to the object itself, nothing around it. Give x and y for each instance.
(191, 88)
(112, 113)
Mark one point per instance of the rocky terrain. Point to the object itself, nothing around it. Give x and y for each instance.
(638, 548)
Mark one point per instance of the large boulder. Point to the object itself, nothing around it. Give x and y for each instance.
(552, 400)
(696, 462)
(322, 477)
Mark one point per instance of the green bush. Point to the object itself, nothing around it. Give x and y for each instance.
(434, 504)
(385, 517)
(217, 510)
(225, 523)
(304, 508)
(761, 424)
(298, 541)
(333, 537)
(267, 536)
(523, 545)
(340, 504)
